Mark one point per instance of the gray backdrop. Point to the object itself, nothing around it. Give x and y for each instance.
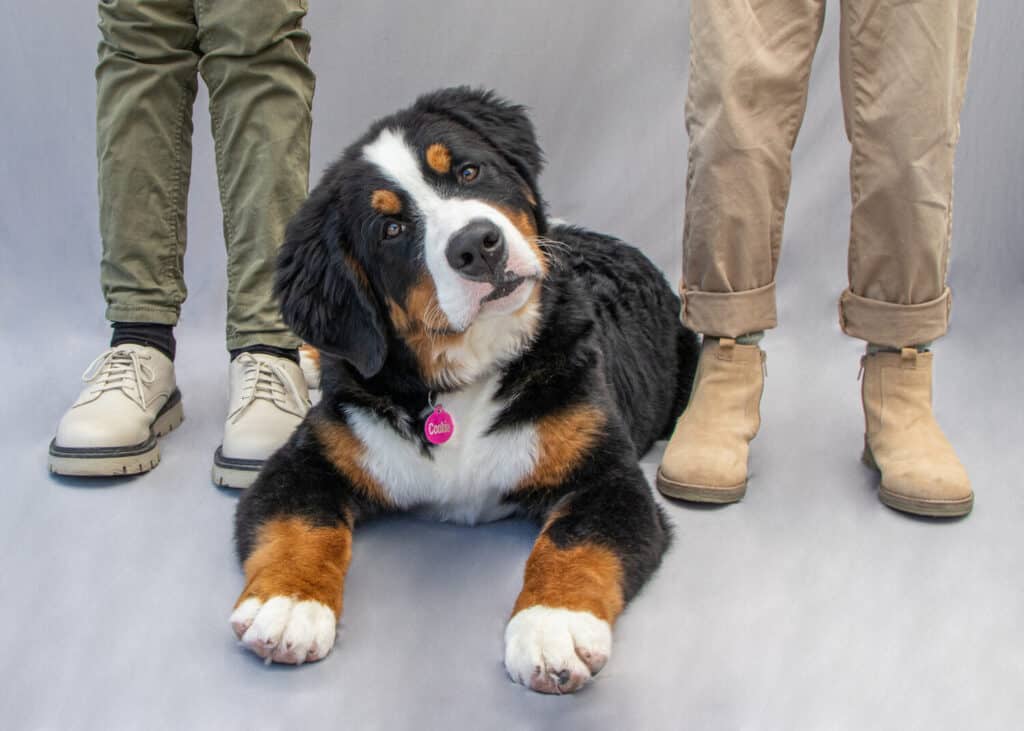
(809, 605)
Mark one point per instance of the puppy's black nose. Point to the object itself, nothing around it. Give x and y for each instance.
(478, 251)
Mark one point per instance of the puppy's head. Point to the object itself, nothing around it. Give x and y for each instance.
(426, 230)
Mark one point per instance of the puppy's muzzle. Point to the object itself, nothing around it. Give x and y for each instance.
(478, 251)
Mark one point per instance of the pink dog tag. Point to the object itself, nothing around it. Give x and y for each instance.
(439, 426)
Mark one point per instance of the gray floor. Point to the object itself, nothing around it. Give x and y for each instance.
(807, 606)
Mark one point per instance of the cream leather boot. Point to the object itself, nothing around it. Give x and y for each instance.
(130, 398)
(267, 400)
(920, 471)
(706, 459)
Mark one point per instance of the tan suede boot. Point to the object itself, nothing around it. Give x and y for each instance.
(920, 472)
(706, 459)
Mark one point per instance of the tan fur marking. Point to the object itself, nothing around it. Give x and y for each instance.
(422, 324)
(358, 272)
(312, 354)
(422, 307)
(586, 578)
(398, 316)
(345, 451)
(565, 439)
(439, 158)
(523, 221)
(424, 327)
(386, 202)
(295, 559)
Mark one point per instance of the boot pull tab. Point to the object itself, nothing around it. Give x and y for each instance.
(908, 357)
(725, 348)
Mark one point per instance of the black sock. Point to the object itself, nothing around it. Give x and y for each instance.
(153, 334)
(289, 353)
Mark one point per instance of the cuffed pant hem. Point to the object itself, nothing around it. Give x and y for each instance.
(128, 313)
(729, 314)
(897, 326)
(277, 339)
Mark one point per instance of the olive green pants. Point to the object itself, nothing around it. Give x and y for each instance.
(903, 66)
(253, 58)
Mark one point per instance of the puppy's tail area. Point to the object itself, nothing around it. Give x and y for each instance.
(309, 361)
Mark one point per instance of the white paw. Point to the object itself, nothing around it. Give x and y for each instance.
(556, 650)
(285, 630)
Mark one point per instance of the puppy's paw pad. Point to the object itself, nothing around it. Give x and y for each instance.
(285, 630)
(594, 661)
(555, 650)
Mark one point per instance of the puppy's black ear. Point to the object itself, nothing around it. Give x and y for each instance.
(324, 295)
(504, 124)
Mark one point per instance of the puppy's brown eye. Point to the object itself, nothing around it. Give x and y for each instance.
(469, 173)
(393, 229)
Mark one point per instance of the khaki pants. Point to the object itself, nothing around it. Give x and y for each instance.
(253, 58)
(903, 67)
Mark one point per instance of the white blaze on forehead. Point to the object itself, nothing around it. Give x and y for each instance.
(397, 161)
(441, 217)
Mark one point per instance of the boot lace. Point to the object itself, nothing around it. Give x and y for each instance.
(121, 369)
(267, 381)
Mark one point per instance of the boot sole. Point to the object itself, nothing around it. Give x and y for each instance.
(114, 461)
(918, 506)
(700, 493)
(235, 473)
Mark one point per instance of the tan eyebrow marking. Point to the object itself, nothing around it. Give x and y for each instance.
(439, 158)
(386, 202)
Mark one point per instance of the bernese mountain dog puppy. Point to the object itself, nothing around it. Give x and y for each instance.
(477, 362)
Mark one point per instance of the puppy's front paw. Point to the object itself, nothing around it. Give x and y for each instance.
(286, 630)
(556, 650)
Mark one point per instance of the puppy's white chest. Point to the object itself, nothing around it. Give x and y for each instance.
(462, 480)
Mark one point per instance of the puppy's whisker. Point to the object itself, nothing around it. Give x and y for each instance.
(433, 321)
(547, 243)
(551, 249)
